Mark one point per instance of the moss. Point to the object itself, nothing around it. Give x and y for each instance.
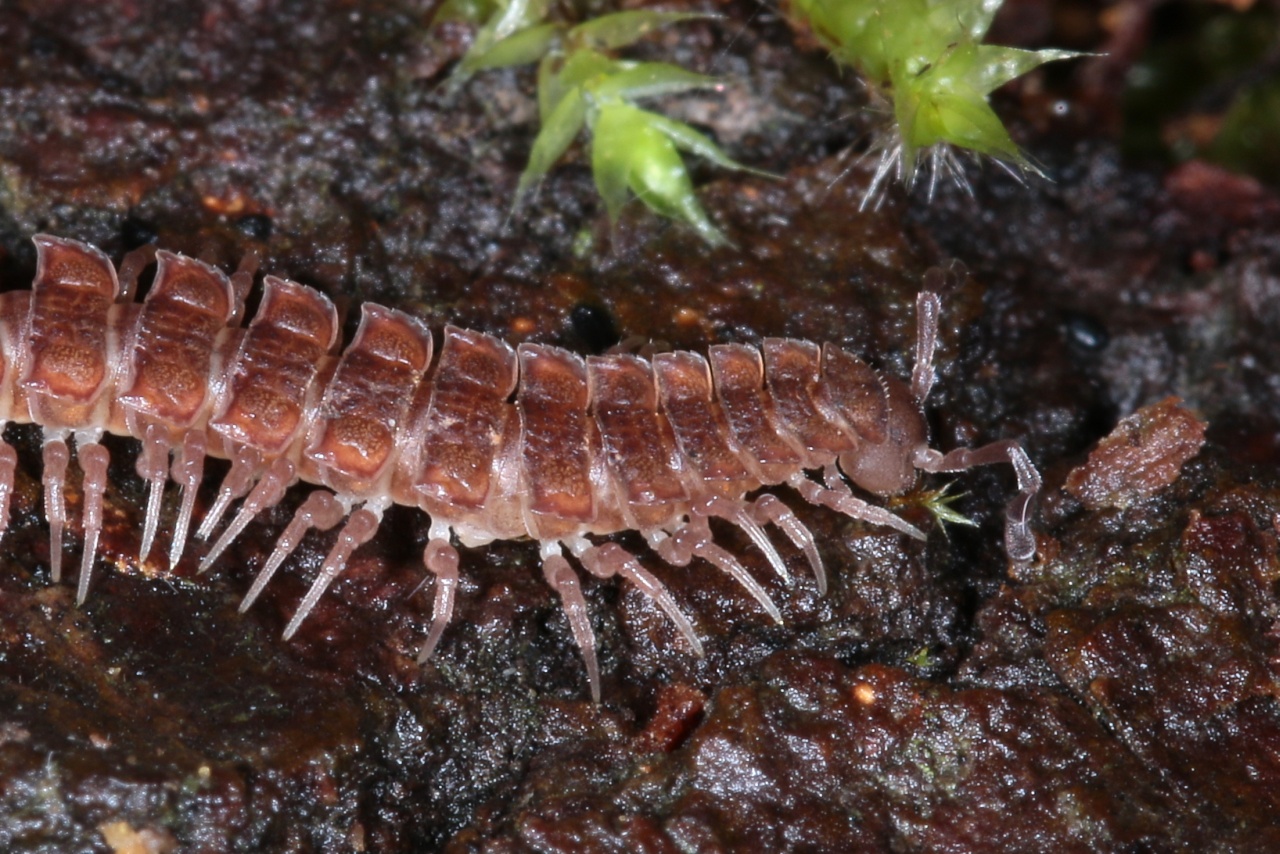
(581, 84)
(925, 61)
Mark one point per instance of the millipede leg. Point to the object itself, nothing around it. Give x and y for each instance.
(717, 556)
(769, 508)
(842, 500)
(1019, 540)
(321, 510)
(360, 528)
(695, 540)
(267, 493)
(564, 582)
(928, 309)
(153, 467)
(188, 471)
(94, 460)
(245, 463)
(55, 457)
(8, 466)
(610, 559)
(242, 282)
(738, 513)
(441, 559)
(131, 266)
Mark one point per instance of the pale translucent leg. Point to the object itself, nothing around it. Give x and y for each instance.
(738, 513)
(321, 510)
(242, 281)
(441, 559)
(55, 455)
(1019, 541)
(267, 493)
(94, 460)
(188, 471)
(245, 463)
(842, 500)
(360, 528)
(610, 559)
(564, 582)
(8, 467)
(131, 266)
(928, 310)
(153, 467)
(769, 508)
(695, 539)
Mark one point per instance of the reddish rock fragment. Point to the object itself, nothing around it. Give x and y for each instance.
(679, 710)
(1230, 563)
(1140, 457)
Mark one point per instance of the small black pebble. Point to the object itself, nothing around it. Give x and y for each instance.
(1086, 333)
(594, 326)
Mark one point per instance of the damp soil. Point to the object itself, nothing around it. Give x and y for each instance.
(1118, 694)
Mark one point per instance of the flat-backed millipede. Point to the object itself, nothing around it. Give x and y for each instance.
(491, 442)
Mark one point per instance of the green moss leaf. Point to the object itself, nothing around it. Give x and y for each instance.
(985, 68)
(939, 501)
(952, 116)
(609, 32)
(474, 11)
(586, 69)
(619, 138)
(510, 17)
(962, 19)
(688, 139)
(648, 79)
(629, 150)
(557, 134)
(558, 75)
(522, 48)
(946, 103)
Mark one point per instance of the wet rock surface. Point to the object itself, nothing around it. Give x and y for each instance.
(1117, 694)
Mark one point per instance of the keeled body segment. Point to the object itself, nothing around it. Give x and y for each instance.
(491, 442)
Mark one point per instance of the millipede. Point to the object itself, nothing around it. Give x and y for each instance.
(491, 442)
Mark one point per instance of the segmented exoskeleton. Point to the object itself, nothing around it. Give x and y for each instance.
(491, 442)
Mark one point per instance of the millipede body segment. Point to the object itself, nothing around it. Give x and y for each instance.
(491, 442)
